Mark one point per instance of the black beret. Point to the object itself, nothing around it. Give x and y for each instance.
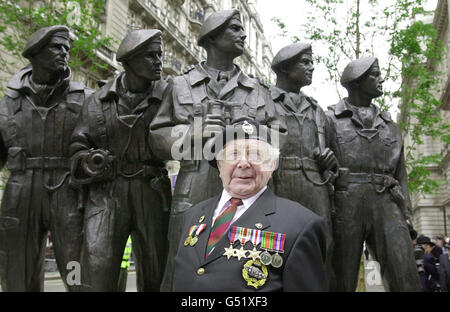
(134, 40)
(290, 52)
(356, 69)
(248, 129)
(41, 37)
(214, 22)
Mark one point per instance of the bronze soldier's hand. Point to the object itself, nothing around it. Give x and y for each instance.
(213, 124)
(327, 160)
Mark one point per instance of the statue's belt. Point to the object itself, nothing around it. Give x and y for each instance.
(24, 163)
(385, 180)
(295, 163)
(131, 170)
(124, 169)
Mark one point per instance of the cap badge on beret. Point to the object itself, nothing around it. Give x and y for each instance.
(247, 128)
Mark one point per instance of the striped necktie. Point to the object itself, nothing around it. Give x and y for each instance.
(222, 224)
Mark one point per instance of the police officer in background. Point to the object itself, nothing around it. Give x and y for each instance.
(124, 266)
(37, 117)
(429, 276)
(371, 191)
(129, 191)
(197, 106)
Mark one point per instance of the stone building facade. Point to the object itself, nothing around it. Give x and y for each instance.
(180, 21)
(431, 213)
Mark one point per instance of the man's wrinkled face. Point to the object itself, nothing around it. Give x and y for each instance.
(54, 56)
(372, 84)
(301, 69)
(245, 167)
(147, 62)
(231, 39)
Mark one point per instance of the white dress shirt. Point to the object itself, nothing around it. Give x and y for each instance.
(224, 202)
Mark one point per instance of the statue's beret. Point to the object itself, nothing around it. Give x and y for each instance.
(41, 37)
(289, 52)
(214, 22)
(134, 40)
(356, 69)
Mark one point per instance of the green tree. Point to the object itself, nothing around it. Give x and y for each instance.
(20, 18)
(409, 55)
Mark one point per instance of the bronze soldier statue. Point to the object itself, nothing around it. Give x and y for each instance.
(37, 117)
(129, 191)
(200, 103)
(371, 191)
(307, 165)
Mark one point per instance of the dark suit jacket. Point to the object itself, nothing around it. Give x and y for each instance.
(303, 260)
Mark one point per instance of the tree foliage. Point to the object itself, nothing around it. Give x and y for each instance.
(409, 54)
(20, 18)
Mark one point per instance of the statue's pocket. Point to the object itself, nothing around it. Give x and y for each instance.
(11, 197)
(9, 230)
(185, 99)
(388, 141)
(346, 136)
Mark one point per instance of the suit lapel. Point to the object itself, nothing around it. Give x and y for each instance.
(258, 212)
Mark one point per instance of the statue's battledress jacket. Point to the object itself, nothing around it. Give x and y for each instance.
(132, 195)
(36, 122)
(371, 197)
(196, 94)
(299, 177)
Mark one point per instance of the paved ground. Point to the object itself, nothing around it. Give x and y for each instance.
(374, 283)
(53, 282)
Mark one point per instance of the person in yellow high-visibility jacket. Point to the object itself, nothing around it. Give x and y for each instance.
(124, 266)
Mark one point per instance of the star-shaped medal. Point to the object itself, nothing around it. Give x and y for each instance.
(254, 254)
(229, 252)
(241, 253)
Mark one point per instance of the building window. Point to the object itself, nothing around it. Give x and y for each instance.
(196, 13)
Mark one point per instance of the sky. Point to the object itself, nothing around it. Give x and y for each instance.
(293, 13)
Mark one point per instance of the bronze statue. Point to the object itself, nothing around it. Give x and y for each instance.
(212, 94)
(307, 165)
(371, 191)
(37, 117)
(129, 191)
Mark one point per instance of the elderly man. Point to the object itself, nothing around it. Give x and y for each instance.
(371, 192)
(307, 164)
(246, 238)
(197, 106)
(129, 191)
(37, 116)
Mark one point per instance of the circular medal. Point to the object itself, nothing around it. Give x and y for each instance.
(187, 241)
(265, 258)
(277, 261)
(193, 241)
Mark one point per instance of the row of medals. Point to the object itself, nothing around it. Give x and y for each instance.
(265, 257)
